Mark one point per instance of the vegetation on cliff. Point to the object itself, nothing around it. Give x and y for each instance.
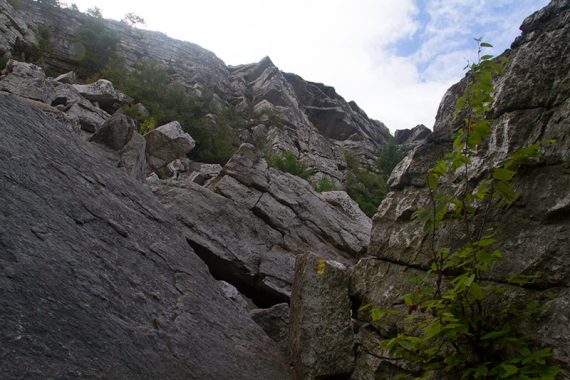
(460, 324)
(367, 185)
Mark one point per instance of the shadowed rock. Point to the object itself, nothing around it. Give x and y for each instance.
(275, 322)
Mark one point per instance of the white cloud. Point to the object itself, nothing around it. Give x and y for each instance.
(349, 45)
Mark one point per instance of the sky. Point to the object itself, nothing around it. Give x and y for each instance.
(395, 58)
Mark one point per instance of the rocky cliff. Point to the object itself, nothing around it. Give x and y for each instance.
(285, 111)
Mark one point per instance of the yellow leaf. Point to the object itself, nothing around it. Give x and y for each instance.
(321, 267)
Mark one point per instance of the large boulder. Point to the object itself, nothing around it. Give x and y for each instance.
(69, 100)
(230, 239)
(120, 135)
(320, 327)
(166, 144)
(96, 279)
(29, 81)
(104, 94)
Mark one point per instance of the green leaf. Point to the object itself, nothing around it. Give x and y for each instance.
(433, 330)
(432, 181)
(509, 370)
(503, 174)
(409, 299)
(485, 242)
(486, 57)
(406, 344)
(476, 292)
(485, 44)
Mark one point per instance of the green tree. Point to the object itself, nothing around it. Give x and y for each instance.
(324, 184)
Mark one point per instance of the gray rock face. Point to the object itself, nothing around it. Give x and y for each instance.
(275, 322)
(68, 78)
(534, 233)
(202, 173)
(230, 239)
(342, 201)
(233, 294)
(251, 222)
(332, 115)
(97, 281)
(166, 144)
(320, 326)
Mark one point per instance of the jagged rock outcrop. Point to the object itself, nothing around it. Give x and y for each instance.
(62, 100)
(116, 135)
(412, 136)
(27, 80)
(251, 222)
(309, 119)
(97, 281)
(530, 105)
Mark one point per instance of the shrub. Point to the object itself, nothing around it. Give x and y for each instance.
(34, 53)
(365, 187)
(147, 125)
(324, 184)
(287, 162)
(98, 46)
